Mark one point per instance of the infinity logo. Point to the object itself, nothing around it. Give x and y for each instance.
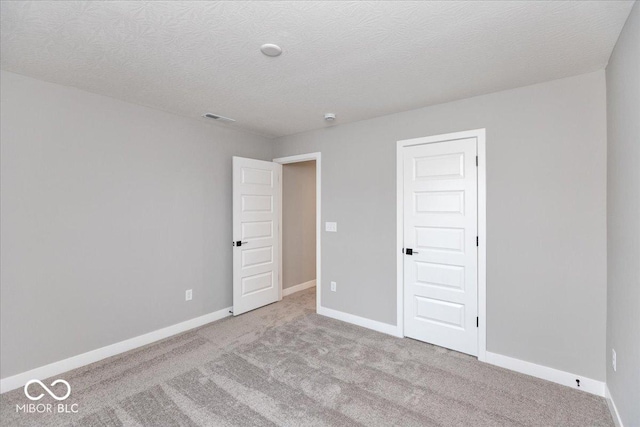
(52, 394)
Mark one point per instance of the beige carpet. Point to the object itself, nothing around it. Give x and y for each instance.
(283, 365)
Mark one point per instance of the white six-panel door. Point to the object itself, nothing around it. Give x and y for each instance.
(256, 219)
(440, 228)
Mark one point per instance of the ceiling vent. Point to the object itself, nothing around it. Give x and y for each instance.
(217, 117)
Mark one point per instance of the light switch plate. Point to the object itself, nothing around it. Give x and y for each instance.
(331, 226)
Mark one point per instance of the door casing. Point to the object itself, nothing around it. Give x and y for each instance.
(479, 134)
(296, 159)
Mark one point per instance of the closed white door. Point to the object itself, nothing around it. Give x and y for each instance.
(440, 241)
(256, 222)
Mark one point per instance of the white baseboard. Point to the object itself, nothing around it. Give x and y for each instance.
(546, 373)
(385, 328)
(298, 288)
(56, 368)
(612, 407)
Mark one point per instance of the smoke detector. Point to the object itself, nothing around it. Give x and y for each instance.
(218, 117)
(270, 49)
(329, 117)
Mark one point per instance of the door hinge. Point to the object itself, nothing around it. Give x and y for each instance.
(477, 241)
(402, 250)
(477, 322)
(476, 160)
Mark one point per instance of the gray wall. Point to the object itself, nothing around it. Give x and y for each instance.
(298, 223)
(623, 219)
(110, 211)
(546, 214)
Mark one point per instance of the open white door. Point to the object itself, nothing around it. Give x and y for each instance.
(256, 221)
(440, 241)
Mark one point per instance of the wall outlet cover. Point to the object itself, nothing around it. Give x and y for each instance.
(331, 226)
(188, 295)
(333, 286)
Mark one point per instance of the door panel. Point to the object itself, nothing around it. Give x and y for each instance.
(256, 216)
(440, 238)
(448, 276)
(255, 257)
(256, 230)
(445, 202)
(443, 313)
(440, 226)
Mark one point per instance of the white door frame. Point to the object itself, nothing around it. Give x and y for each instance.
(479, 134)
(298, 159)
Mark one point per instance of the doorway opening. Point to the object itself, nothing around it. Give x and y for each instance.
(300, 225)
(257, 187)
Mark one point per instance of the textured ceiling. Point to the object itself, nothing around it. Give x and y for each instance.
(357, 59)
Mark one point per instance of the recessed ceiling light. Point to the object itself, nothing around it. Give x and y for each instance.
(271, 49)
(218, 117)
(329, 117)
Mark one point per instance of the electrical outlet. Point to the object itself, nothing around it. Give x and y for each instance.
(333, 286)
(188, 295)
(613, 359)
(331, 226)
